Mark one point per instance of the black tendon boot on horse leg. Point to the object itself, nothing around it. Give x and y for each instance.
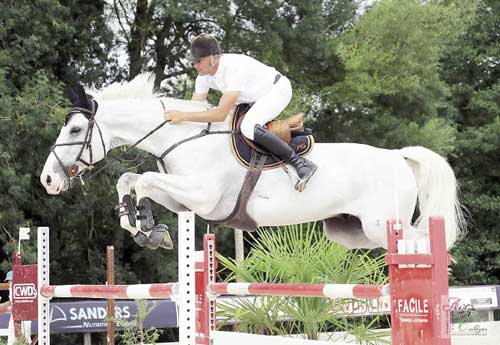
(271, 142)
(159, 236)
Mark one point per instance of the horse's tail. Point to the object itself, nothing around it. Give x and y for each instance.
(437, 191)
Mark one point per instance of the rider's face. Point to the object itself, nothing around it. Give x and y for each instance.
(205, 65)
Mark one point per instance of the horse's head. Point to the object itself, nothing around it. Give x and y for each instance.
(79, 145)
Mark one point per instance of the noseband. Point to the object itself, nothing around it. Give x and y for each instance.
(74, 170)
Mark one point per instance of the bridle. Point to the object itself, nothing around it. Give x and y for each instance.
(74, 170)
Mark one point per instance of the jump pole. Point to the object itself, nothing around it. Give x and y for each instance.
(418, 289)
(182, 292)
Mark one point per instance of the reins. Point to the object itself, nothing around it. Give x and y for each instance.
(88, 138)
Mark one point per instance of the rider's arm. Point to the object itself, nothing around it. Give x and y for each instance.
(216, 114)
(200, 97)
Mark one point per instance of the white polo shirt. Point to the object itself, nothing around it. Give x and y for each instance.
(237, 72)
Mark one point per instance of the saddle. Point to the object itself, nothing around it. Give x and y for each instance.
(255, 159)
(291, 130)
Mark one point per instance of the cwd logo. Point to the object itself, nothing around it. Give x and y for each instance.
(24, 291)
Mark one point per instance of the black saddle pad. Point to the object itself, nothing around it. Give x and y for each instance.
(302, 142)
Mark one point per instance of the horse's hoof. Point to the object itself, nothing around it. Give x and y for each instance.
(166, 242)
(141, 239)
(145, 215)
(160, 237)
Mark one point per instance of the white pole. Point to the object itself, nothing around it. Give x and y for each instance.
(186, 297)
(239, 248)
(43, 279)
(87, 339)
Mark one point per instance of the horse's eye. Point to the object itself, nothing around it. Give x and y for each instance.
(75, 130)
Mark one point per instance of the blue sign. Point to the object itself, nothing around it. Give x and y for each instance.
(91, 316)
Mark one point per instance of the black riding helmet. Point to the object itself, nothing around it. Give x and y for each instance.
(203, 45)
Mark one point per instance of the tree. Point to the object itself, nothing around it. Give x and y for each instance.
(69, 41)
(391, 92)
(472, 69)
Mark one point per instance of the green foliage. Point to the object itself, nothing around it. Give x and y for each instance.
(22, 342)
(3, 341)
(391, 92)
(67, 39)
(393, 53)
(28, 121)
(471, 69)
(134, 331)
(477, 260)
(299, 254)
(404, 73)
(438, 134)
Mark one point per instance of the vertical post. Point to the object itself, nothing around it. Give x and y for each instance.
(440, 292)
(186, 305)
(239, 248)
(207, 312)
(201, 304)
(87, 338)
(419, 291)
(43, 279)
(17, 323)
(110, 262)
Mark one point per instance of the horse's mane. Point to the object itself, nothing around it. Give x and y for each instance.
(142, 88)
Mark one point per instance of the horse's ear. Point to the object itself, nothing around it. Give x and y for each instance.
(83, 97)
(73, 97)
(81, 92)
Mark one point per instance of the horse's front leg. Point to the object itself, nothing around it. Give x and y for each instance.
(174, 192)
(124, 186)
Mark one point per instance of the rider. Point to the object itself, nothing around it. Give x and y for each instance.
(243, 79)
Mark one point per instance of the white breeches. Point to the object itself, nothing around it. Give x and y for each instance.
(267, 107)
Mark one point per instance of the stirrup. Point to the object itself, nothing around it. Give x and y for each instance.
(302, 182)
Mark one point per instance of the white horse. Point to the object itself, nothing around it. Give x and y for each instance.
(356, 189)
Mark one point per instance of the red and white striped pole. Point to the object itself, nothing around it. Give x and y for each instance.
(300, 290)
(138, 291)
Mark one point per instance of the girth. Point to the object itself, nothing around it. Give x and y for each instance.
(239, 218)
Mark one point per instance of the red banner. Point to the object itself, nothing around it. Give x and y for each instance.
(25, 292)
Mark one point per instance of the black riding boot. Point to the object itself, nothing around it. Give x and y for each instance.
(271, 142)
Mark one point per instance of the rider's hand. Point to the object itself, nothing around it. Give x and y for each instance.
(174, 116)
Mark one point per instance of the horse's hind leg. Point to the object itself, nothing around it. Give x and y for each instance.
(375, 225)
(418, 236)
